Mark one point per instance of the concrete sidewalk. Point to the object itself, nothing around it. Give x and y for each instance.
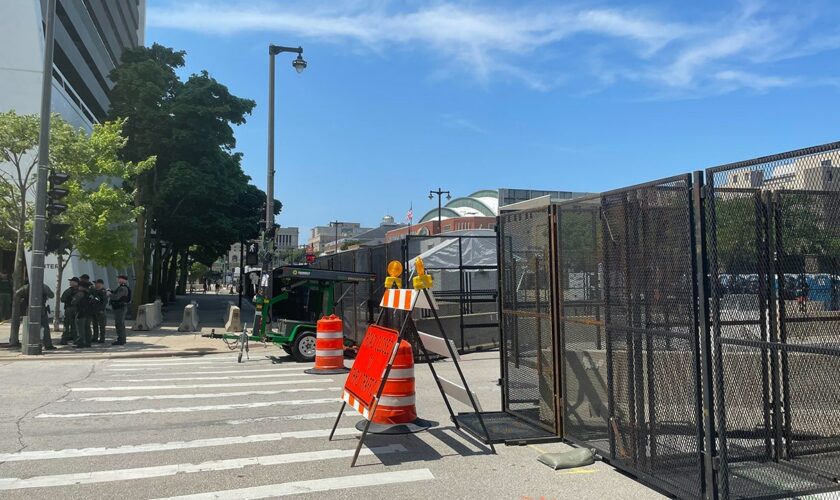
(162, 341)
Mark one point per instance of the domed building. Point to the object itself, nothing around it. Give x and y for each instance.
(476, 211)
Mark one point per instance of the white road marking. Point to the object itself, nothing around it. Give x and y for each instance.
(172, 445)
(198, 386)
(212, 378)
(170, 360)
(305, 416)
(187, 468)
(324, 484)
(189, 409)
(199, 396)
(208, 371)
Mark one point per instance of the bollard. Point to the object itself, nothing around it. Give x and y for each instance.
(234, 321)
(190, 321)
(141, 323)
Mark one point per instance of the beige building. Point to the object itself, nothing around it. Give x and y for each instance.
(820, 172)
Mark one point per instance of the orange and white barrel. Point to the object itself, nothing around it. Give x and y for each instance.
(396, 406)
(329, 346)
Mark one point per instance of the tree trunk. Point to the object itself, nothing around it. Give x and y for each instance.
(157, 269)
(185, 271)
(139, 259)
(17, 282)
(171, 275)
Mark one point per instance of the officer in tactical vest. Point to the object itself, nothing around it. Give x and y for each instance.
(85, 279)
(69, 334)
(120, 302)
(46, 294)
(101, 294)
(81, 302)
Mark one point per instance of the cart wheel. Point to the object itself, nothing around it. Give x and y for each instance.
(239, 359)
(303, 350)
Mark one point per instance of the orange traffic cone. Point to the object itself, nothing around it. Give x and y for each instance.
(329, 347)
(396, 412)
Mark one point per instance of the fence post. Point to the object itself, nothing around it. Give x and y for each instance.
(703, 348)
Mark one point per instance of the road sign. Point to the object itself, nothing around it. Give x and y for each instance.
(365, 377)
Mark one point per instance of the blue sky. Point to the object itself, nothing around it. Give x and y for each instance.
(403, 97)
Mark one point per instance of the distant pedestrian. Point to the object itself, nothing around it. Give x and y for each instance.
(46, 294)
(205, 286)
(802, 296)
(120, 300)
(217, 288)
(69, 333)
(98, 319)
(84, 310)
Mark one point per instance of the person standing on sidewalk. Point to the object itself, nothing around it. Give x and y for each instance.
(85, 280)
(69, 333)
(46, 294)
(98, 318)
(81, 302)
(120, 300)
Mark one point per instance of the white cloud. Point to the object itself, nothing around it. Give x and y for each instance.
(516, 44)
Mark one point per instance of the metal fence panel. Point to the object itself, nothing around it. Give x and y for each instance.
(581, 321)
(527, 332)
(774, 231)
(651, 337)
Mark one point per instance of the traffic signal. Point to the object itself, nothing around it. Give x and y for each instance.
(252, 254)
(56, 242)
(55, 194)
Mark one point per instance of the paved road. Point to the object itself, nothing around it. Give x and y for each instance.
(169, 427)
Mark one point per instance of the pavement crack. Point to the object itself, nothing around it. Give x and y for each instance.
(21, 445)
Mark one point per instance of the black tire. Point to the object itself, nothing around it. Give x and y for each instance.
(239, 359)
(303, 349)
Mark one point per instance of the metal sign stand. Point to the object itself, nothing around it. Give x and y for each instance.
(403, 333)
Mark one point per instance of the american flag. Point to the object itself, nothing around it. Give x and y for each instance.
(410, 214)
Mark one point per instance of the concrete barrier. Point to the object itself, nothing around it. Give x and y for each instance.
(190, 321)
(149, 316)
(234, 319)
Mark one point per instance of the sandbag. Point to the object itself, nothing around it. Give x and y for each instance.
(578, 457)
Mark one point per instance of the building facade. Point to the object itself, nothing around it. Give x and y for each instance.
(90, 37)
(320, 236)
(286, 237)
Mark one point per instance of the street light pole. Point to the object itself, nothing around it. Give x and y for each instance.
(439, 193)
(337, 223)
(299, 64)
(31, 337)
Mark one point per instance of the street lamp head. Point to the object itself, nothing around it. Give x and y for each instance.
(299, 64)
(431, 195)
(448, 196)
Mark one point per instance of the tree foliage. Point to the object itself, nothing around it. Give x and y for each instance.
(196, 199)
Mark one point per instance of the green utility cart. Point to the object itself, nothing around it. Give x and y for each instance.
(302, 295)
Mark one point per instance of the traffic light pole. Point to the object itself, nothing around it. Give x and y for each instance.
(31, 343)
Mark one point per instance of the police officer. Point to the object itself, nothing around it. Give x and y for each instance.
(85, 279)
(98, 319)
(83, 312)
(46, 294)
(69, 334)
(120, 300)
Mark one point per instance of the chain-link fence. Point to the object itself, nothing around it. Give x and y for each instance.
(695, 329)
(465, 284)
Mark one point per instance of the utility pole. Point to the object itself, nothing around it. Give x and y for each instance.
(31, 344)
(241, 269)
(439, 193)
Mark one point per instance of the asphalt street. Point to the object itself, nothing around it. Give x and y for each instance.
(213, 428)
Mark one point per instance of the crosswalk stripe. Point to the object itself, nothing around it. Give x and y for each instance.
(21, 456)
(208, 378)
(196, 386)
(169, 361)
(315, 485)
(207, 370)
(305, 416)
(189, 364)
(197, 396)
(189, 409)
(187, 468)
